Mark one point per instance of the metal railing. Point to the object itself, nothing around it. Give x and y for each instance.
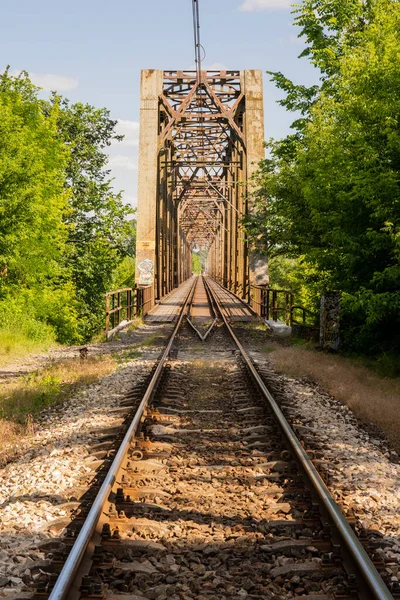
(272, 304)
(145, 300)
(127, 304)
(266, 302)
(307, 317)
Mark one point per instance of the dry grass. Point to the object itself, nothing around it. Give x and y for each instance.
(11, 435)
(372, 398)
(21, 400)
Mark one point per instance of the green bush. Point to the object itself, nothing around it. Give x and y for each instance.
(124, 274)
(370, 323)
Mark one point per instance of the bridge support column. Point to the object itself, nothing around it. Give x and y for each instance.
(151, 89)
(251, 81)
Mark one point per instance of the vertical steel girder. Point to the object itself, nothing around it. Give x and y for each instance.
(202, 170)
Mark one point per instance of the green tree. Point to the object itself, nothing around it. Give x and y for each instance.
(100, 235)
(196, 263)
(32, 198)
(63, 229)
(331, 191)
(124, 274)
(33, 210)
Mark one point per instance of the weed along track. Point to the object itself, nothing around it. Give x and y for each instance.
(209, 496)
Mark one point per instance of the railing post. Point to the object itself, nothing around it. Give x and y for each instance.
(140, 300)
(263, 298)
(287, 308)
(291, 309)
(112, 311)
(129, 305)
(274, 305)
(107, 314)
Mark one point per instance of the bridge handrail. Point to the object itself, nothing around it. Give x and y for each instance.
(127, 289)
(305, 311)
(265, 301)
(267, 287)
(126, 304)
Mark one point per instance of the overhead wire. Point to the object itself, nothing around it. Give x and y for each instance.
(200, 54)
(198, 60)
(197, 45)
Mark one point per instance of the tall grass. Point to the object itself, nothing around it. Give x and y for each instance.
(21, 331)
(373, 399)
(18, 342)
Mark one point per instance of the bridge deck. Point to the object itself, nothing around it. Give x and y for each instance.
(237, 310)
(168, 309)
(200, 313)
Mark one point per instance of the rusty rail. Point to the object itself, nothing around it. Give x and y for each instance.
(127, 304)
(367, 575)
(65, 580)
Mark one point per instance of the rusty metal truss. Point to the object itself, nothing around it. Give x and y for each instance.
(200, 134)
(201, 131)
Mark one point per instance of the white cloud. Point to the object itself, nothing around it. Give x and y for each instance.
(216, 66)
(123, 162)
(49, 82)
(257, 5)
(130, 129)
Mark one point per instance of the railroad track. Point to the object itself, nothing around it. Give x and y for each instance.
(210, 494)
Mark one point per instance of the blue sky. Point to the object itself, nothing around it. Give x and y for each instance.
(93, 51)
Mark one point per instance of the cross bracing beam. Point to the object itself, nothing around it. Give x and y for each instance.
(201, 135)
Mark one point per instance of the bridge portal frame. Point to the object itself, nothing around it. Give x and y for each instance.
(201, 139)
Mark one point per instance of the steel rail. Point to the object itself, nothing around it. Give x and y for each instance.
(201, 336)
(359, 555)
(69, 570)
(242, 300)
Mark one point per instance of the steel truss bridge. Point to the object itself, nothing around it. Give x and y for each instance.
(201, 137)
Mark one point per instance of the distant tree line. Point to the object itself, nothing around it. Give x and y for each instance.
(199, 260)
(64, 231)
(327, 199)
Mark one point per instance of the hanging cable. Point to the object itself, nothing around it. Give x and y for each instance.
(201, 97)
(198, 50)
(196, 31)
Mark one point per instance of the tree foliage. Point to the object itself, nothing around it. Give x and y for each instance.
(330, 192)
(196, 263)
(99, 231)
(32, 198)
(63, 229)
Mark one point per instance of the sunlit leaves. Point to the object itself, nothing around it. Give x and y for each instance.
(63, 229)
(331, 192)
